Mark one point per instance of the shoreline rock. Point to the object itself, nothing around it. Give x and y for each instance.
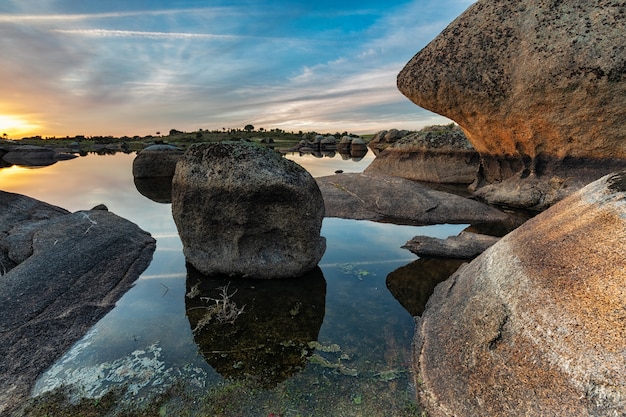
(62, 272)
(466, 245)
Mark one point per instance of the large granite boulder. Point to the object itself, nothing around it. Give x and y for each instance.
(536, 324)
(538, 86)
(60, 272)
(242, 209)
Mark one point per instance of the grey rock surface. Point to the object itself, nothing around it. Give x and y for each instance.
(61, 273)
(466, 245)
(244, 210)
(384, 198)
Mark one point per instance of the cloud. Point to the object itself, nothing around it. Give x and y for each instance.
(107, 33)
(143, 71)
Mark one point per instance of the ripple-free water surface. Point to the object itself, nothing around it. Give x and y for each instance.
(336, 342)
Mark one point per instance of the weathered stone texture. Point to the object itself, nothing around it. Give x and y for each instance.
(527, 79)
(243, 209)
(535, 325)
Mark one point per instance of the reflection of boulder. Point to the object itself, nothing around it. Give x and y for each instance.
(269, 340)
(243, 209)
(352, 154)
(157, 189)
(414, 283)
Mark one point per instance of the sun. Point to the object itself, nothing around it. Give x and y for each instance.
(15, 126)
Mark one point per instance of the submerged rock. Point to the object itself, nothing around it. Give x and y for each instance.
(538, 86)
(535, 325)
(244, 210)
(61, 272)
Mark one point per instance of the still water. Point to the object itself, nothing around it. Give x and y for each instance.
(334, 343)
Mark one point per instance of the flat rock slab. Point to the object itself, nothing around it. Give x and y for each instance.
(386, 198)
(466, 245)
(61, 273)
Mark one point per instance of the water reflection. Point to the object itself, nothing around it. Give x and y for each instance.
(157, 189)
(414, 283)
(270, 340)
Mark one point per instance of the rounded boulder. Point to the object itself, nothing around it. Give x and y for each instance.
(535, 325)
(244, 210)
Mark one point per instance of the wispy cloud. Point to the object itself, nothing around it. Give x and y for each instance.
(107, 33)
(73, 17)
(122, 72)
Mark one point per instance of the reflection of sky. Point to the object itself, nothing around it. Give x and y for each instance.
(319, 167)
(152, 312)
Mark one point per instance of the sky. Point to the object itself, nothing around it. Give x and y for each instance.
(138, 67)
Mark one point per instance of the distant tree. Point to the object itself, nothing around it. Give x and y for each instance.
(248, 128)
(158, 133)
(4, 135)
(261, 129)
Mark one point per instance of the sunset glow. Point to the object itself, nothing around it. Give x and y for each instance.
(136, 67)
(13, 127)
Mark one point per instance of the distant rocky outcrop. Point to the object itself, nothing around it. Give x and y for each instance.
(535, 325)
(242, 209)
(60, 272)
(385, 138)
(392, 199)
(539, 88)
(438, 154)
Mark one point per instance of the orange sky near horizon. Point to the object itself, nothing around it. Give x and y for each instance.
(15, 127)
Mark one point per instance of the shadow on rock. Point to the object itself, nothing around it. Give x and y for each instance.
(157, 189)
(413, 284)
(255, 330)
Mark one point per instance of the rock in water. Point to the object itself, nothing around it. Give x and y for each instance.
(156, 161)
(538, 86)
(536, 324)
(244, 210)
